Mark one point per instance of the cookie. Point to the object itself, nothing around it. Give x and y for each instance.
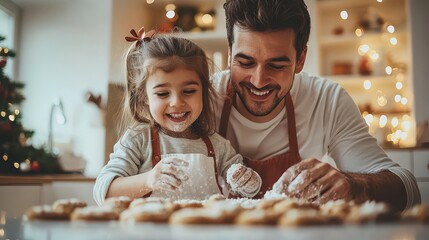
(95, 213)
(186, 203)
(67, 206)
(418, 213)
(140, 201)
(338, 209)
(293, 203)
(371, 211)
(45, 212)
(257, 217)
(149, 212)
(197, 216)
(301, 217)
(217, 212)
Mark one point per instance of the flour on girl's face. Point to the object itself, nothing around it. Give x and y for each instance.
(178, 128)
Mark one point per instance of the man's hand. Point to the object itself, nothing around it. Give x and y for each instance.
(315, 181)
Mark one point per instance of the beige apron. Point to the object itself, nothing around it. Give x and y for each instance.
(269, 169)
(202, 172)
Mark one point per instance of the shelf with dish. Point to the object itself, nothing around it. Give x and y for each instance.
(364, 46)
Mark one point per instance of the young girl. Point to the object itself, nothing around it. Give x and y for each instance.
(171, 149)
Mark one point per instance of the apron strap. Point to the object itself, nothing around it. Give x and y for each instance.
(156, 151)
(211, 153)
(293, 142)
(226, 110)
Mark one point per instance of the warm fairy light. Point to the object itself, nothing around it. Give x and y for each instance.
(389, 70)
(380, 1)
(367, 84)
(369, 119)
(374, 55)
(398, 98)
(406, 125)
(394, 122)
(344, 15)
(1, 232)
(16, 165)
(398, 85)
(5, 157)
(358, 32)
(150, 1)
(383, 121)
(27, 161)
(12, 118)
(399, 135)
(170, 14)
(363, 49)
(16, 111)
(3, 113)
(5, 50)
(391, 29)
(404, 101)
(207, 19)
(393, 41)
(170, 7)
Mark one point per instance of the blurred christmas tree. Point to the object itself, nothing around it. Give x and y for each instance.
(16, 155)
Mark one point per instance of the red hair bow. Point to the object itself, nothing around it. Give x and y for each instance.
(140, 37)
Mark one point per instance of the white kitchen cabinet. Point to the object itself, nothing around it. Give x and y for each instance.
(417, 161)
(15, 200)
(421, 171)
(63, 190)
(19, 193)
(421, 163)
(424, 191)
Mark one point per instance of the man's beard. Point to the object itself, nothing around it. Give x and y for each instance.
(257, 109)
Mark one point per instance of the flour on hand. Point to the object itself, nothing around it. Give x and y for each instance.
(243, 180)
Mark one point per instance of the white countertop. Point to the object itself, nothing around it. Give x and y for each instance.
(18, 229)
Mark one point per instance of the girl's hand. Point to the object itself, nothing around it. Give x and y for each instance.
(243, 180)
(168, 174)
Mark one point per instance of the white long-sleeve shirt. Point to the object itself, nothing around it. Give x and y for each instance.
(327, 122)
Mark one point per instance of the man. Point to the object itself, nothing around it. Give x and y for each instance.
(284, 121)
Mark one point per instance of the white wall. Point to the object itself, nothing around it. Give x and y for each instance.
(311, 62)
(127, 15)
(64, 52)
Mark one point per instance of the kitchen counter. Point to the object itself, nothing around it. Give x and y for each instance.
(40, 179)
(21, 229)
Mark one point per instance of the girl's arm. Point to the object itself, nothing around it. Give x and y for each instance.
(133, 186)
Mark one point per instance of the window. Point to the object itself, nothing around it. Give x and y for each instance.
(7, 29)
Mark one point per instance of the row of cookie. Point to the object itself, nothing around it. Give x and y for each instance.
(218, 210)
(283, 212)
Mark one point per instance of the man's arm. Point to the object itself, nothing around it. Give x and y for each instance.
(383, 186)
